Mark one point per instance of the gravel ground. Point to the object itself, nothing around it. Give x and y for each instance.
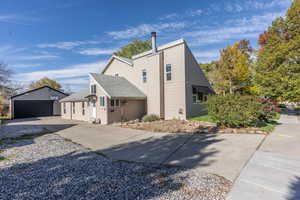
(50, 167)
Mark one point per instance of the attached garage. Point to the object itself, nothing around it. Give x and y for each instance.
(39, 102)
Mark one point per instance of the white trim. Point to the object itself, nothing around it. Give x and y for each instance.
(165, 46)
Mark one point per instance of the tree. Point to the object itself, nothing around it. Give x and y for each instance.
(5, 74)
(277, 71)
(232, 72)
(134, 48)
(45, 82)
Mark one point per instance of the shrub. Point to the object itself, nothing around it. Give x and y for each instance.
(150, 118)
(234, 110)
(269, 110)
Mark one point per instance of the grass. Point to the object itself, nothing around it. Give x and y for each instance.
(3, 158)
(4, 118)
(204, 118)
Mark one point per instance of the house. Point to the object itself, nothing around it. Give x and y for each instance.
(5, 94)
(166, 81)
(43, 101)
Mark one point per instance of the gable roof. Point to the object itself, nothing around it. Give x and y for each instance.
(162, 47)
(28, 91)
(117, 87)
(122, 59)
(78, 96)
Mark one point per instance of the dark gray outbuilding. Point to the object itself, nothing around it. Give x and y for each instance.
(43, 101)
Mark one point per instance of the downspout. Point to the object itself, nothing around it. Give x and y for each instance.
(162, 85)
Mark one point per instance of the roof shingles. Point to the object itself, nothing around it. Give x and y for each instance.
(118, 87)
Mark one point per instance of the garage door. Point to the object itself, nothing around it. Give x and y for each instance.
(23, 109)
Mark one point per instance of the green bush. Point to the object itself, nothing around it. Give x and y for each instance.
(234, 110)
(150, 118)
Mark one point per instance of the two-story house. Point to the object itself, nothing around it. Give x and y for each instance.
(166, 81)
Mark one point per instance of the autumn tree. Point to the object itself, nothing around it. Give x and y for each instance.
(278, 61)
(45, 82)
(232, 72)
(134, 48)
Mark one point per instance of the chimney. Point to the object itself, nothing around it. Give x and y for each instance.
(153, 38)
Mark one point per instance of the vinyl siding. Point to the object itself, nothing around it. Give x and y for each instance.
(194, 76)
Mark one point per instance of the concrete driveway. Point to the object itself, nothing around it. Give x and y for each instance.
(224, 155)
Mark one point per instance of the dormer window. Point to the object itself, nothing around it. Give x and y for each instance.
(93, 89)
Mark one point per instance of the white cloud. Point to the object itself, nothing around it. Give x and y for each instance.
(233, 8)
(245, 28)
(61, 73)
(170, 16)
(16, 19)
(144, 29)
(261, 5)
(195, 12)
(67, 45)
(74, 81)
(207, 54)
(97, 51)
(22, 65)
(35, 57)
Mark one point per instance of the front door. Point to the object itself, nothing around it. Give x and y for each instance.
(93, 110)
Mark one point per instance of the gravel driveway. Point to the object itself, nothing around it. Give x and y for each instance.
(50, 167)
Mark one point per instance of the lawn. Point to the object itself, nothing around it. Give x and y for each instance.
(4, 117)
(263, 126)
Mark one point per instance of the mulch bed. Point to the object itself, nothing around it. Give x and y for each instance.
(188, 126)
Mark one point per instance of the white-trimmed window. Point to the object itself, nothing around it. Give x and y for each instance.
(102, 101)
(93, 89)
(168, 72)
(65, 109)
(117, 75)
(83, 107)
(112, 103)
(144, 75)
(117, 103)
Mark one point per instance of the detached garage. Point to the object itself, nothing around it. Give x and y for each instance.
(39, 102)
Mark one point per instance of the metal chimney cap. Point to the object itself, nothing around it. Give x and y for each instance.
(153, 33)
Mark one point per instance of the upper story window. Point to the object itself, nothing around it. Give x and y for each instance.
(73, 107)
(83, 108)
(93, 89)
(168, 72)
(102, 101)
(144, 76)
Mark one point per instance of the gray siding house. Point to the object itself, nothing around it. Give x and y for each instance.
(166, 81)
(43, 101)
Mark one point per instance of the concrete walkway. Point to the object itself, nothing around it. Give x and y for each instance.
(274, 170)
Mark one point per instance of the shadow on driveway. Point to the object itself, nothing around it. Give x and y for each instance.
(86, 175)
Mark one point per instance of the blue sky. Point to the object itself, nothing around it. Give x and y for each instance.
(65, 40)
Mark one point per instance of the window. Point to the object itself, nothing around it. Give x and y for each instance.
(168, 72)
(93, 89)
(112, 103)
(116, 74)
(144, 76)
(65, 110)
(83, 108)
(73, 107)
(102, 101)
(117, 102)
(198, 96)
